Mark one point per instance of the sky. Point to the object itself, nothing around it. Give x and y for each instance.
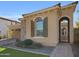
(14, 9)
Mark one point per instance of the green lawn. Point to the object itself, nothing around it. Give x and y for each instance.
(6, 52)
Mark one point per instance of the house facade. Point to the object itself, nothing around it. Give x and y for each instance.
(49, 26)
(4, 27)
(15, 31)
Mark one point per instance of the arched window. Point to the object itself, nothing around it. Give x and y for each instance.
(38, 27)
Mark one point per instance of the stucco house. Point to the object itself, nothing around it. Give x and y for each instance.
(15, 31)
(4, 27)
(49, 26)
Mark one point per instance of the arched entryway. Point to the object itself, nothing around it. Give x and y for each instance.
(64, 34)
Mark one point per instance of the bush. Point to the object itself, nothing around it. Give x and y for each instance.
(28, 42)
(36, 45)
(25, 43)
(0, 37)
(20, 44)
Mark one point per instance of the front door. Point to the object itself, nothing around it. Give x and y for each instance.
(64, 30)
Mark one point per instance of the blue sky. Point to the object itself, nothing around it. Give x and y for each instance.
(15, 9)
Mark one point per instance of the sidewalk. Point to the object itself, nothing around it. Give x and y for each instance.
(62, 50)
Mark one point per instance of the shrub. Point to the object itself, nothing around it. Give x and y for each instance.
(0, 37)
(20, 44)
(25, 43)
(28, 42)
(36, 45)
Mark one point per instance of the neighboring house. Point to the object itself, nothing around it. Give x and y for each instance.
(15, 31)
(4, 27)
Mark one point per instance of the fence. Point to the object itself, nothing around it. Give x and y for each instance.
(76, 35)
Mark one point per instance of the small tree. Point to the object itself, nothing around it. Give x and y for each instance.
(77, 24)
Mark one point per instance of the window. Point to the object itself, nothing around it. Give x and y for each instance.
(38, 27)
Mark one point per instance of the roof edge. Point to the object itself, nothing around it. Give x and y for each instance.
(8, 19)
(59, 4)
(76, 2)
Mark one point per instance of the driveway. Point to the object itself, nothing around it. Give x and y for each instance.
(62, 50)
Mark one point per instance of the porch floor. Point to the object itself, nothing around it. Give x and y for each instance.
(62, 50)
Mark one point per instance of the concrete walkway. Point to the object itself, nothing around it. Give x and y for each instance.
(62, 50)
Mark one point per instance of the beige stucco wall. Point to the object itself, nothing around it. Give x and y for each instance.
(23, 29)
(52, 38)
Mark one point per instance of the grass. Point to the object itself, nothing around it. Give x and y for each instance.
(7, 52)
